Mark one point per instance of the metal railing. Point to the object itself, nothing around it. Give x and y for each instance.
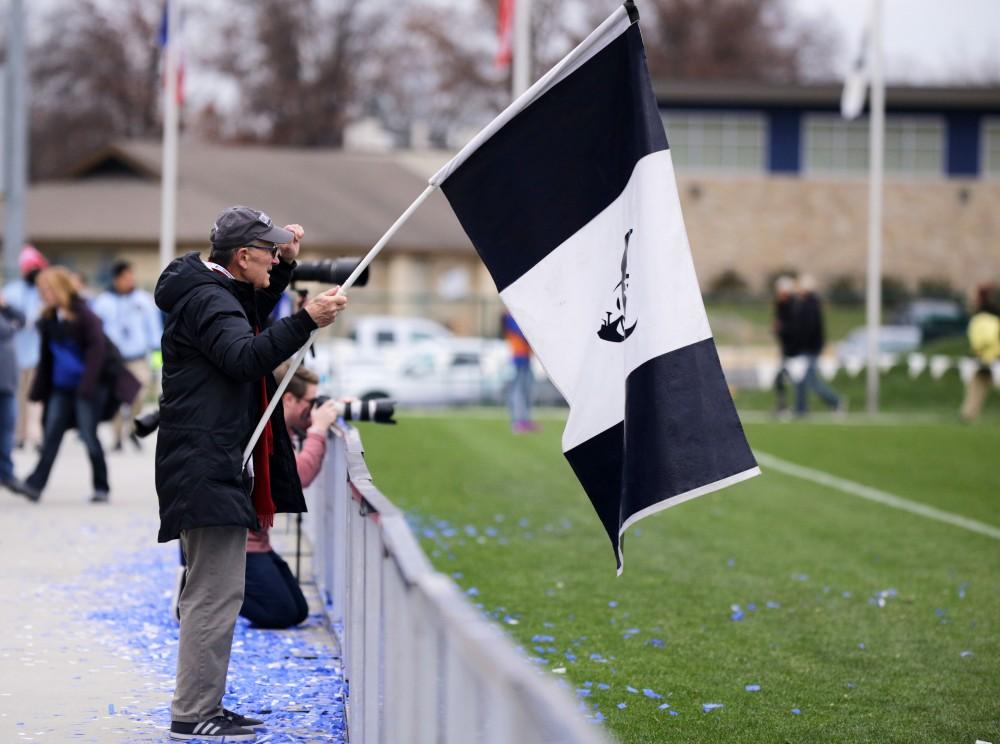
(423, 665)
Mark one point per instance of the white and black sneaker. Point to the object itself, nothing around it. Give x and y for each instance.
(219, 728)
(237, 719)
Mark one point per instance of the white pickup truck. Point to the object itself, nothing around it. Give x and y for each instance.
(415, 361)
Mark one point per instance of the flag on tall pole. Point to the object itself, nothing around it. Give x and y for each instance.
(505, 25)
(852, 98)
(570, 199)
(865, 72)
(162, 39)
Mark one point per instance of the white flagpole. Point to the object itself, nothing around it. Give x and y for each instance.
(521, 65)
(168, 184)
(873, 294)
(348, 283)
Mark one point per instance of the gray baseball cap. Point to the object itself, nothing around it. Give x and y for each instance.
(236, 226)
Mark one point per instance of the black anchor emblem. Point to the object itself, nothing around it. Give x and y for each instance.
(615, 330)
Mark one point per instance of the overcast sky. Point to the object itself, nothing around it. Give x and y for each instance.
(926, 41)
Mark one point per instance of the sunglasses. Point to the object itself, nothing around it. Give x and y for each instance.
(269, 247)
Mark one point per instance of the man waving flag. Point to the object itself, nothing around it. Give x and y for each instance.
(570, 199)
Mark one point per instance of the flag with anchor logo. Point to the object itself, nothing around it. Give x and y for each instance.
(570, 199)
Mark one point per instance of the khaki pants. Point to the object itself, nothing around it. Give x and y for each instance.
(209, 604)
(29, 415)
(140, 369)
(975, 394)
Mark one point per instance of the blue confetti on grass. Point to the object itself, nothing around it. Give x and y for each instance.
(542, 639)
(631, 689)
(663, 706)
(603, 686)
(622, 706)
(650, 694)
(966, 654)
(772, 605)
(656, 642)
(709, 707)
(612, 604)
(752, 688)
(796, 712)
(674, 713)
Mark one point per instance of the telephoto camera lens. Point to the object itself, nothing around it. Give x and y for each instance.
(329, 271)
(377, 410)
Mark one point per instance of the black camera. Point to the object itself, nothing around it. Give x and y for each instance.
(377, 410)
(147, 423)
(329, 271)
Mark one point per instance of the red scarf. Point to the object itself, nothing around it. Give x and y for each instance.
(263, 504)
(262, 501)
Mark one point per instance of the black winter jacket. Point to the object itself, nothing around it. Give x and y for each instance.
(809, 320)
(212, 366)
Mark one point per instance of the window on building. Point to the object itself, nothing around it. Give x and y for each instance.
(914, 145)
(991, 148)
(716, 141)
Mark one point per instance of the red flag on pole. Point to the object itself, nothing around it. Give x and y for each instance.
(505, 25)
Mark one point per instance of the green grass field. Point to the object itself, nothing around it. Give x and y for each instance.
(859, 622)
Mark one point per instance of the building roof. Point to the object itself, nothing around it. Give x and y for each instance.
(345, 200)
(742, 94)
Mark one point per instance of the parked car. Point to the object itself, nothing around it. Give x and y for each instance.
(892, 339)
(415, 361)
(936, 318)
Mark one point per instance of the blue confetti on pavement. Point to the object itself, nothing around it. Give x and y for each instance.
(295, 684)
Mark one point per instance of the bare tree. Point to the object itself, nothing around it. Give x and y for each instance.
(440, 69)
(296, 64)
(95, 77)
(732, 39)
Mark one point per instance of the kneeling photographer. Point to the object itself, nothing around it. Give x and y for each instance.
(272, 598)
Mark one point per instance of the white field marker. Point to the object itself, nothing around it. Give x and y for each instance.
(873, 494)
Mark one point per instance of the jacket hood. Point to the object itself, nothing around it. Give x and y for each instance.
(181, 277)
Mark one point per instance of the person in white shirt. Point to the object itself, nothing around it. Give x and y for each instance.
(133, 323)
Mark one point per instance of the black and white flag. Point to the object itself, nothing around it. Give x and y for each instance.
(570, 199)
(858, 78)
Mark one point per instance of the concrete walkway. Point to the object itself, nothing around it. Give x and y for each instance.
(87, 651)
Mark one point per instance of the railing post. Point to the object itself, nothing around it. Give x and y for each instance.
(374, 630)
(358, 628)
(337, 536)
(398, 706)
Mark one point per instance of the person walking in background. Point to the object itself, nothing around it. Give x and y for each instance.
(77, 378)
(984, 338)
(132, 322)
(785, 332)
(273, 598)
(11, 321)
(808, 322)
(519, 397)
(22, 295)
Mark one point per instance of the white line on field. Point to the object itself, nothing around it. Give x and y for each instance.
(873, 494)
